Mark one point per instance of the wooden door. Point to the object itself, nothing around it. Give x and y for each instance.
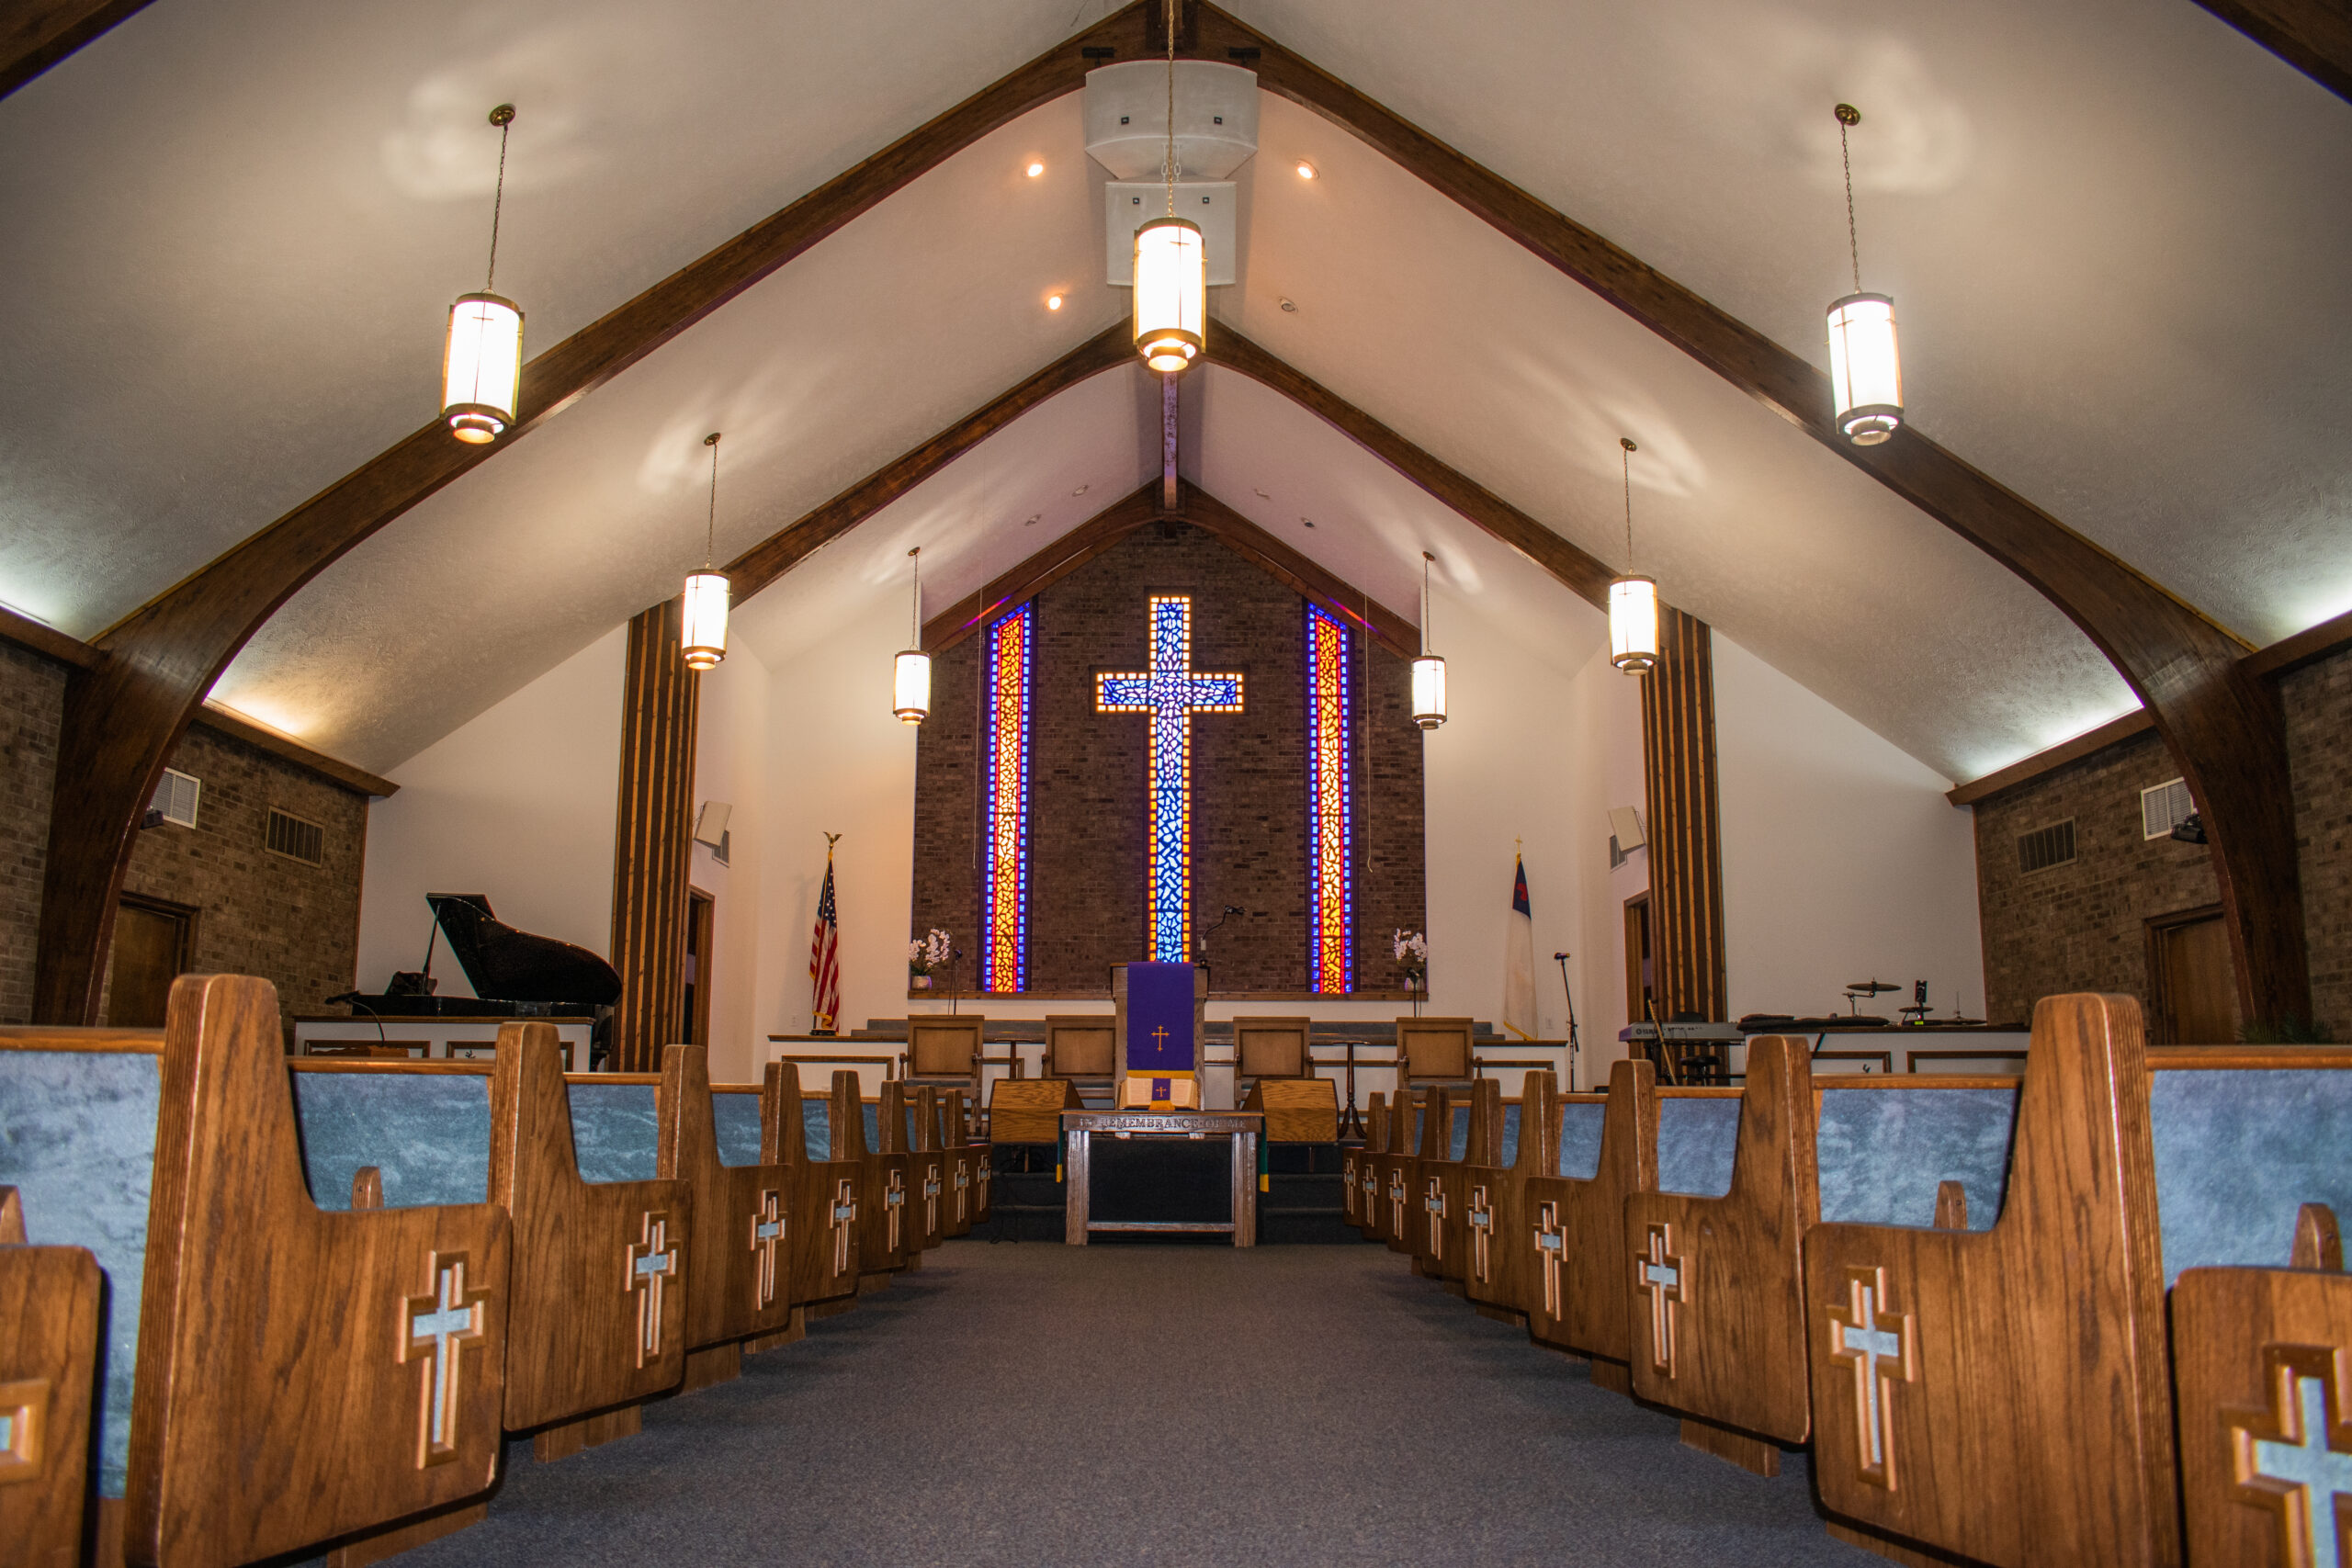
(1640, 977)
(153, 943)
(2192, 985)
(700, 907)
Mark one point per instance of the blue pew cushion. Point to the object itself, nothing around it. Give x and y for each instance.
(427, 1132)
(77, 1141)
(817, 1126)
(1580, 1125)
(1510, 1135)
(615, 1131)
(1696, 1139)
(2238, 1152)
(735, 1118)
(1459, 1146)
(1883, 1152)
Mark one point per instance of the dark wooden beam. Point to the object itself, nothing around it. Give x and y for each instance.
(1337, 596)
(1585, 576)
(2293, 652)
(277, 743)
(2114, 732)
(2225, 727)
(37, 34)
(1169, 438)
(123, 717)
(2312, 35)
(778, 553)
(47, 640)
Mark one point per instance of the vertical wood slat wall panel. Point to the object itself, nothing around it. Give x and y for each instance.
(660, 706)
(1685, 844)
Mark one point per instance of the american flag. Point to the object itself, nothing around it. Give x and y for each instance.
(825, 957)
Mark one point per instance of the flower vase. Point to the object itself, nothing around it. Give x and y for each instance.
(918, 982)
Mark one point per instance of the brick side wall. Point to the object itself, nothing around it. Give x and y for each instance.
(295, 925)
(2080, 927)
(2318, 700)
(1249, 776)
(32, 707)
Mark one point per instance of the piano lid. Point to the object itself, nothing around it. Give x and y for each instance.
(508, 965)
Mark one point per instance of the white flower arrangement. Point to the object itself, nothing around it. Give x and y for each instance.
(929, 954)
(1412, 953)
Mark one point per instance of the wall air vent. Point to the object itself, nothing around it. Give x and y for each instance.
(296, 837)
(2164, 808)
(2047, 847)
(176, 797)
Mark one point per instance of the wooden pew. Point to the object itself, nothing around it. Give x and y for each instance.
(825, 1257)
(1574, 1222)
(1440, 1231)
(903, 1134)
(252, 1402)
(50, 1299)
(973, 1175)
(1718, 1279)
(2029, 1362)
(1510, 1141)
(1392, 1201)
(1359, 1187)
(740, 1279)
(601, 1284)
(882, 1181)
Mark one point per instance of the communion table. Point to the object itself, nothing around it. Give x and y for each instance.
(1163, 1170)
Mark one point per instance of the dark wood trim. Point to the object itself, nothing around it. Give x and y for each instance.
(124, 716)
(1047, 567)
(2114, 732)
(2225, 730)
(1639, 910)
(37, 34)
(2307, 646)
(1587, 576)
(653, 848)
(1685, 856)
(778, 553)
(2162, 1027)
(46, 640)
(277, 743)
(2312, 35)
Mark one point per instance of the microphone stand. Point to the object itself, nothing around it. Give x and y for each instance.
(1562, 959)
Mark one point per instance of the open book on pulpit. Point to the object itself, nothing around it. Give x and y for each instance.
(1159, 1009)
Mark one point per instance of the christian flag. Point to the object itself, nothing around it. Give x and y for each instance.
(1519, 959)
(825, 958)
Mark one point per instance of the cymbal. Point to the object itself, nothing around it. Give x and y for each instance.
(1870, 987)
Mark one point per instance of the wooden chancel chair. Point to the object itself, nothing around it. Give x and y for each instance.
(1435, 1051)
(946, 1051)
(1085, 1051)
(1269, 1048)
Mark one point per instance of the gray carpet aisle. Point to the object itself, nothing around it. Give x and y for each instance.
(1046, 1404)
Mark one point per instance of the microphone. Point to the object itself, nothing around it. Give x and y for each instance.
(1557, 956)
(1235, 909)
(343, 996)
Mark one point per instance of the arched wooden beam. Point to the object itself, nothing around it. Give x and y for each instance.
(2225, 729)
(2312, 35)
(37, 34)
(123, 717)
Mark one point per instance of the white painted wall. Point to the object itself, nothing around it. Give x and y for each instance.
(1842, 859)
(518, 804)
(731, 764)
(1605, 714)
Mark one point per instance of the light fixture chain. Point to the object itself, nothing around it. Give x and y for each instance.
(1853, 245)
(916, 556)
(710, 527)
(498, 203)
(1172, 6)
(1625, 458)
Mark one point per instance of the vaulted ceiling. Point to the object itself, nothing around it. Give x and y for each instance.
(2115, 233)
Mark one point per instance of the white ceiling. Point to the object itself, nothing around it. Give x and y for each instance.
(2114, 232)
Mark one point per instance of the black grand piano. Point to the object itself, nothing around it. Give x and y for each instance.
(514, 974)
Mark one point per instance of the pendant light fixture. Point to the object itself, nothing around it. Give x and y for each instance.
(481, 366)
(1171, 264)
(910, 678)
(1429, 670)
(703, 635)
(1865, 366)
(1633, 598)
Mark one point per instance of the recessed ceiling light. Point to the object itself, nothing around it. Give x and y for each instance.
(1033, 517)
(1081, 490)
(1261, 495)
(1053, 301)
(1305, 170)
(1036, 169)
(1309, 521)
(1291, 305)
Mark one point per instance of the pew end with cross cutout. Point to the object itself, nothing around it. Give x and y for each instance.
(1517, 1139)
(50, 1299)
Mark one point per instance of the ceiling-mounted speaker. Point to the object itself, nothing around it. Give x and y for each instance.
(1127, 118)
(1625, 825)
(710, 823)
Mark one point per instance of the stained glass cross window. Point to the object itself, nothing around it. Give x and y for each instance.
(1170, 691)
